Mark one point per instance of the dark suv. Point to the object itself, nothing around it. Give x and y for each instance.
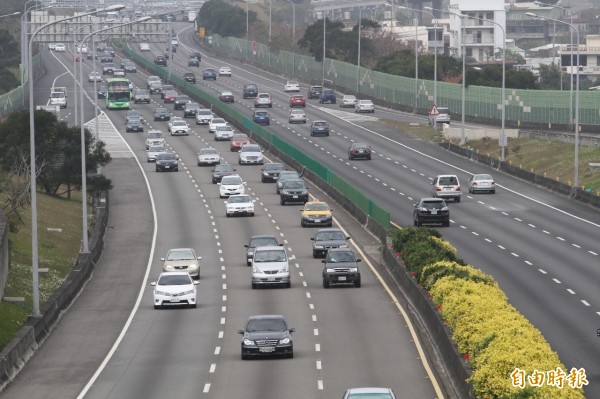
(258, 241)
(327, 96)
(293, 191)
(267, 335)
(341, 267)
(431, 210)
(270, 172)
(315, 92)
(249, 91)
(221, 170)
(193, 61)
(190, 110)
(181, 101)
(160, 60)
(189, 77)
(167, 162)
(328, 238)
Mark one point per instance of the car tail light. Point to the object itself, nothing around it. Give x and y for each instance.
(457, 188)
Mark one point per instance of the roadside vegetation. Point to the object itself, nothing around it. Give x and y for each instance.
(552, 159)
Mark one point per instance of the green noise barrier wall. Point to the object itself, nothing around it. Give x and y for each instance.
(370, 208)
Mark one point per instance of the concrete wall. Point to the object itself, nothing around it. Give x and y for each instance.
(454, 132)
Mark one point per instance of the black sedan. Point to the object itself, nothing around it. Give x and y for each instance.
(431, 210)
(102, 92)
(167, 162)
(359, 151)
(270, 171)
(319, 128)
(209, 73)
(162, 114)
(219, 171)
(327, 238)
(267, 335)
(181, 101)
(134, 125)
(193, 61)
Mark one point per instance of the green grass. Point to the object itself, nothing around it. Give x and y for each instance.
(57, 251)
(553, 159)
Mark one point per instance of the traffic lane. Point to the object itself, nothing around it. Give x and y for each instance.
(156, 350)
(86, 332)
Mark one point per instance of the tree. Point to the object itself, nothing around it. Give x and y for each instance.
(313, 38)
(58, 150)
(221, 18)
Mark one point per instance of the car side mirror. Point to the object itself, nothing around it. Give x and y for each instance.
(323, 261)
(199, 257)
(196, 282)
(154, 285)
(358, 260)
(598, 332)
(241, 332)
(291, 330)
(163, 259)
(312, 238)
(246, 246)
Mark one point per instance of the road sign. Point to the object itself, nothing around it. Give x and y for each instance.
(254, 45)
(434, 110)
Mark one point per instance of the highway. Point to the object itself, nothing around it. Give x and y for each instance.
(345, 336)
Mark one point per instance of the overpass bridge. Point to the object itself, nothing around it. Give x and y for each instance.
(336, 7)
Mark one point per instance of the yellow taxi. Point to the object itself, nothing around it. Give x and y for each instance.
(316, 213)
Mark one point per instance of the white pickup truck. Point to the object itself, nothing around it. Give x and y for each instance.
(58, 96)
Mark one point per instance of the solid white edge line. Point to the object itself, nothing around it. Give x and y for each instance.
(116, 344)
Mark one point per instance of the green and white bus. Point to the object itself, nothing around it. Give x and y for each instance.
(118, 95)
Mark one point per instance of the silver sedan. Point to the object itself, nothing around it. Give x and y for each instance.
(482, 183)
(208, 156)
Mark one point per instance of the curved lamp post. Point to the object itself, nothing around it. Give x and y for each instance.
(293, 36)
(573, 27)
(32, 166)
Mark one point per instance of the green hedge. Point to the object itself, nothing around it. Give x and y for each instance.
(493, 336)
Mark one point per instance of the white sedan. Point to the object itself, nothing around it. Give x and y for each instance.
(348, 101)
(203, 116)
(250, 154)
(178, 126)
(231, 185)
(214, 123)
(174, 288)
(291, 85)
(225, 71)
(239, 204)
(144, 47)
(297, 116)
(224, 133)
(60, 47)
(208, 156)
(364, 106)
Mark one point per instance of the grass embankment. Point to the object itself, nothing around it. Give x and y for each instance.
(553, 159)
(57, 251)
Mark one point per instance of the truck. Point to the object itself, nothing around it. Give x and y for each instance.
(58, 96)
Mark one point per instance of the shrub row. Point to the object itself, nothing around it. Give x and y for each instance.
(508, 356)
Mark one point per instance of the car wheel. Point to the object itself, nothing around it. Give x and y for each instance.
(369, 158)
(446, 224)
(457, 199)
(156, 306)
(244, 357)
(333, 102)
(282, 201)
(158, 170)
(470, 190)
(252, 214)
(357, 284)
(493, 192)
(415, 223)
(325, 284)
(288, 284)
(315, 255)
(193, 306)
(228, 215)
(291, 355)
(254, 286)
(302, 223)
(330, 224)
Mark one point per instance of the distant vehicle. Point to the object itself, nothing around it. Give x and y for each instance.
(273, 326)
(446, 186)
(364, 106)
(225, 71)
(482, 182)
(193, 61)
(297, 116)
(181, 101)
(209, 73)
(203, 116)
(231, 185)
(250, 90)
(191, 110)
(316, 213)
(319, 128)
(179, 127)
(182, 259)
(263, 100)
(361, 393)
(154, 151)
(161, 114)
(189, 77)
(359, 150)
(153, 138)
(224, 133)
(60, 47)
(250, 154)
(144, 47)
(134, 125)
(108, 68)
(291, 85)
(443, 116)
(220, 171)
(293, 191)
(238, 205)
(327, 96)
(226, 96)
(258, 241)
(261, 117)
(167, 162)
(174, 288)
(341, 267)
(270, 172)
(130, 67)
(214, 123)
(208, 156)
(58, 96)
(94, 76)
(327, 238)
(348, 101)
(141, 96)
(118, 95)
(160, 60)
(315, 92)
(297, 101)
(431, 210)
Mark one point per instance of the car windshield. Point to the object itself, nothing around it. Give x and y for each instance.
(174, 279)
(330, 236)
(231, 181)
(448, 180)
(224, 128)
(206, 151)
(369, 396)
(288, 175)
(320, 123)
(223, 168)
(241, 136)
(339, 256)
(226, 93)
(273, 166)
(160, 110)
(236, 199)
(250, 148)
(184, 254)
(298, 112)
(134, 121)
(183, 98)
(179, 123)
(263, 96)
(293, 184)
(266, 325)
(218, 120)
(167, 157)
(261, 113)
(204, 112)
(483, 177)
(272, 255)
(154, 135)
(263, 241)
(316, 207)
(142, 91)
(433, 204)
(158, 148)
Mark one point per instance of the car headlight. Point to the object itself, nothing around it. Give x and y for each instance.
(444, 208)
(286, 340)
(256, 270)
(169, 267)
(285, 270)
(187, 292)
(157, 292)
(318, 247)
(343, 246)
(330, 270)
(248, 341)
(193, 266)
(354, 270)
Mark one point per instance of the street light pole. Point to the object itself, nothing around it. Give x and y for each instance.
(247, 36)
(573, 27)
(270, 3)
(32, 166)
(293, 36)
(358, 57)
(324, 34)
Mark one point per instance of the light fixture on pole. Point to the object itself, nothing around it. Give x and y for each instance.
(539, 3)
(573, 27)
(293, 37)
(85, 246)
(11, 14)
(32, 166)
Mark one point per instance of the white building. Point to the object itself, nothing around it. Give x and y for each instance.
(480, 38)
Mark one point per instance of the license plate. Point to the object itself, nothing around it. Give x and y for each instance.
(360, 151)
(174, 299)
(434, 211)
(294, 196)
(167, 166)
(447, 188)
(270, 278)
(342, 278)
(317, 220)
(266, 349)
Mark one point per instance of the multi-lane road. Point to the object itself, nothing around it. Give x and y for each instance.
(541, 247)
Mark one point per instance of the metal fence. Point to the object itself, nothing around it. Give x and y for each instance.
(18, 98)
(272, 141)
(550, 109)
